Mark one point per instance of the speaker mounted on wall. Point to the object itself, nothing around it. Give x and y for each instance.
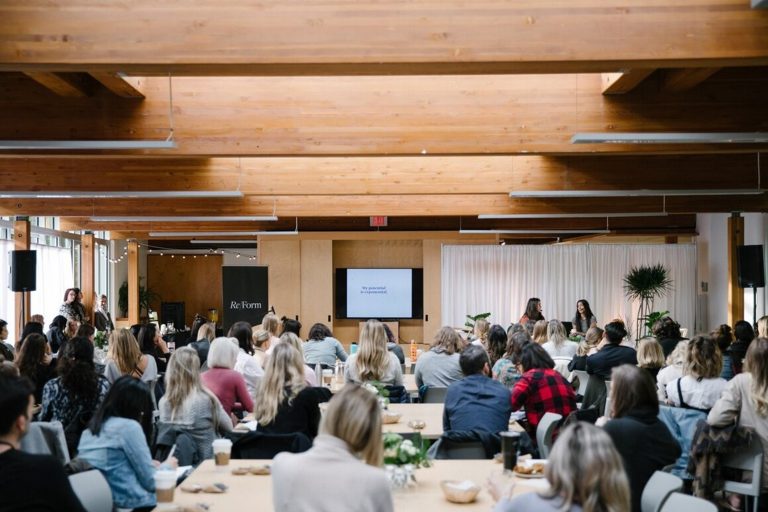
(751, 268)
(23, 271)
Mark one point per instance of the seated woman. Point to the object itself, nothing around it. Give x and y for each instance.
(29, 328)
(309, 373)
(723, 336)
(480, 332)
(285, 403)
(585, 472)
(439, 366)
(290, 325)
(496, 343)
(745, 399)
(322, 348)
(205, 335)
(558, 345)
(393, 346)
(271, 324)
(34, 362)
(260, 345)
(125, 358)
(583, 319)
(227, 384)
(373, 362)
(650, 356)
(673, 370)
(701, 384)
(117, 444)
(350, 431)
(55, 334)
(76, 393)
(86, 331)
(539, 332)
(246, 365)
(644, 443)
(152, 344)
(505, 369)
(190, 406)
(541, 389)
(587, 347)
(72, 309)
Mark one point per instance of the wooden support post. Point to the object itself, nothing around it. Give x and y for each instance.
(735, 292)
(87, 282)
(21, 242)
(133, 282)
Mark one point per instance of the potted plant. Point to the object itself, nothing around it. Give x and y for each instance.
(645, 283)
(145, 297)
(471, 319)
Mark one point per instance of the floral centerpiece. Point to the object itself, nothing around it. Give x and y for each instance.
(402, 457)
(100, 339)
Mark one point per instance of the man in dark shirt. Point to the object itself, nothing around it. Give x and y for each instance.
(610, 352)
(27, 482)
(476, 402)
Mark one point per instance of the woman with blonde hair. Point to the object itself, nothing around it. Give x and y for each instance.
(373, 362)
(745, 399)
(124, 357)
(673, 370)
(261, 344)
(650, 356)
(762, 327)
(558, 345)
(205, 335)
(189, 406)
(271, 324)
(286, 404)
(227, 384)
(701, 384)
(585, 474)
(480, 331)
(349, 448)
(540, 332)
(587, 347)
(439, 366)
(309, 373)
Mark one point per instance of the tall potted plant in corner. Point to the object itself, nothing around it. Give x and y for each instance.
(645, 283)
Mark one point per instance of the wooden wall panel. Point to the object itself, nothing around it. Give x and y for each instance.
(377, 254)
(316, 284)
(194, 281)
(432, 262)
(283, 257)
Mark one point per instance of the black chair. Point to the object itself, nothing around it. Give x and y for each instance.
(460, 450)
(434, 395)
(260, 445)
(398, 395)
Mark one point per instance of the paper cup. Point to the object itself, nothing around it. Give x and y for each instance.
(165, 484)
(221, 451)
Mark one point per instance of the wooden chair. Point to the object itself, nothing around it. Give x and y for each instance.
(658, 489)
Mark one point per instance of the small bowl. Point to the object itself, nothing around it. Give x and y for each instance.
(417, 424)
(464, 491)
(390, 417)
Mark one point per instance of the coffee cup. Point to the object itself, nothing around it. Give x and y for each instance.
(221, 451)
(327, 378)
(510, 443)
(165, 484)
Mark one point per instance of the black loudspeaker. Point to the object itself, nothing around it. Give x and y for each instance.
(751, 271)
(23, 271)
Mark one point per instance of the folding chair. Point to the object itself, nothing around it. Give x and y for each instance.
(749, 458)
(678, 502)
(544, 432)
(93, 491)
(658, 489)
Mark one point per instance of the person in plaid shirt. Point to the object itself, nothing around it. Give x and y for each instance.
(541, 389)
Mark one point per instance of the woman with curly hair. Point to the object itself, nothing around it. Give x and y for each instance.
(701, 384)
(34, 362)
(285, 403)
(76, 393)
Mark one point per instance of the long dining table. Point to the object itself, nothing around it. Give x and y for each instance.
(254, 492)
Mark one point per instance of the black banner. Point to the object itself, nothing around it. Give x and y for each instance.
(244, 295)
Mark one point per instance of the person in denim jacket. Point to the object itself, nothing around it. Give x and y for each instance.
(117, 444)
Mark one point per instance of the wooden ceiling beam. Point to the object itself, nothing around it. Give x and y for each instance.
(367, 205)
(119, 84)
(381, 175)
(67, 86)
(388, 115)
(681, 80)
(310, 37)
(623, 82)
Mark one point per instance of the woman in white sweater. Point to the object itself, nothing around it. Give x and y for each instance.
(319, 479)
(189, 406)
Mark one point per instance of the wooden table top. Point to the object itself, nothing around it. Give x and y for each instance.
(409, 382)
(431, 414)
(425, 495)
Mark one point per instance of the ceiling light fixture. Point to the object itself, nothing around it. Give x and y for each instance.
(247, 218)
(111, 194)
(218, 233)
(569, 215)
(670, 138)
(518, 194)
(220, 242)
